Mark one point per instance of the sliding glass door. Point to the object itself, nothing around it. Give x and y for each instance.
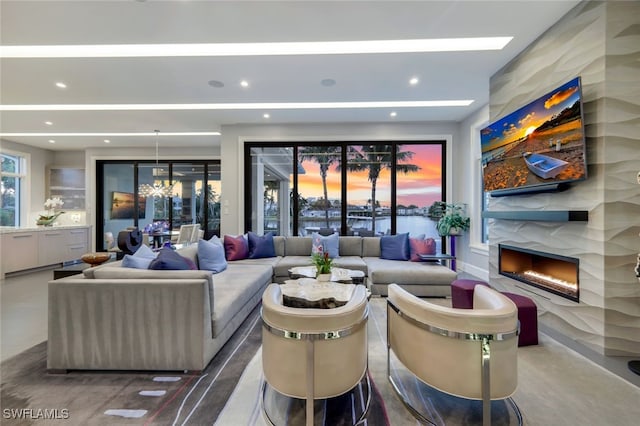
(354, 188)
(194, 198)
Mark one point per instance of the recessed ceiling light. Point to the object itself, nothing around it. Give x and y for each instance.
(255, 49)
(413, 81)
(48, 123)
(215, 83)
(239, 106)
(265, 115)
(328, 82)
(61, 85)
(244, 83)
(52, 141)
(393, 114)
(107, 141)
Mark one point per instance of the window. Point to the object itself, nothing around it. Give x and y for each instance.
(354, 188)
(13, 172)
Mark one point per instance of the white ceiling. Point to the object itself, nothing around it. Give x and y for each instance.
(184, 80)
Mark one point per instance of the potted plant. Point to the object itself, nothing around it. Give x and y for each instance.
(454, 221)
(323, 262)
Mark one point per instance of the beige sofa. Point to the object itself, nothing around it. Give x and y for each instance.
(115, 318)
(423, 279)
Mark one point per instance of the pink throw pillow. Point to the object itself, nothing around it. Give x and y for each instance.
(419, 246)
(236, 248)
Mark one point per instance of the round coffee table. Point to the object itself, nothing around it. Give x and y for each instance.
(310, 293)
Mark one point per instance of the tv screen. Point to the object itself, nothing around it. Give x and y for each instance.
(122, 205)
(539, 147)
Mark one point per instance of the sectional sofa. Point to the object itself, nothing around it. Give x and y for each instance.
(116, 318)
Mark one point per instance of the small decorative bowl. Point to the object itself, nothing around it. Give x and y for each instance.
(95, 259)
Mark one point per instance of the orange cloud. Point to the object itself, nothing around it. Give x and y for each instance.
(560, 97)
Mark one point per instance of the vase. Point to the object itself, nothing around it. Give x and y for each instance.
(46, 222)
(323, 277)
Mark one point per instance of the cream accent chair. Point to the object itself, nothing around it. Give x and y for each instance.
(469, 353)
(314, 353)
(186, 231)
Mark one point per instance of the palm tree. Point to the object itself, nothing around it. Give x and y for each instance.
(374, 159)
(326, 156)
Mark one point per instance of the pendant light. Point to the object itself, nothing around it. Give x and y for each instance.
(157, 189)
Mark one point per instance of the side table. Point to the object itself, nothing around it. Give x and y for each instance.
(439, 258)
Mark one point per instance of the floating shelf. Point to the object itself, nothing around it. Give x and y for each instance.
(540, 215)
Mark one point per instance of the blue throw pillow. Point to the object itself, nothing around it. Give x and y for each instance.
(395, 247)
(260, 247)
(130, 261)
(140, 259)
(329, 244)
(168, 259)
(211, 255)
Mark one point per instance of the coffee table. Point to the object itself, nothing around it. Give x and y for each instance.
(310, 293)
(340, 275)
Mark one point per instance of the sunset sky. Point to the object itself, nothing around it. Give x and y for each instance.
(420, 188)
(525, 120)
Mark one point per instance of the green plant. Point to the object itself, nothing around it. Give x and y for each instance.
(323, 262)
(453, 220)
(436, 210)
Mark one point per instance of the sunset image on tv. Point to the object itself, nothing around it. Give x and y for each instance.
(538, 144)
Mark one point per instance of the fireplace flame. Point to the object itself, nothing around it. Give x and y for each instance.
(552, 280)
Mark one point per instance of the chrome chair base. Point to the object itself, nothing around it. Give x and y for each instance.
(349, 408)
(433, 407)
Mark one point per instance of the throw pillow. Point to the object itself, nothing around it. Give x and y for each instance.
(329, 244)
(261, 246)
(140, 259)
(236, 248)
(168, 259)
(395, 247)
(421, 246)
(211, 255)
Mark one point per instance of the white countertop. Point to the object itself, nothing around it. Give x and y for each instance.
(13, 230)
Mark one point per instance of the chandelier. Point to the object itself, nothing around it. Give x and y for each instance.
(157, 189)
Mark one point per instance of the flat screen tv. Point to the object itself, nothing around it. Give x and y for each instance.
(538, 148)
(122, 206)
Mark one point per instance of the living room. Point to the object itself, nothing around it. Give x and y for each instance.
(595, 41)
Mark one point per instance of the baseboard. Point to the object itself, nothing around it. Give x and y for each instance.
(483, 274)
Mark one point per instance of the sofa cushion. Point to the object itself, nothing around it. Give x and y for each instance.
(190, 252)
(395, 247)
(168, 259)
(278, 243)
(325, 244)
(350, 246)
(354, 263)
(236, 248)
(281, 269)
(421, 246)
(211, 255)
(297, 246)
(384, 271)
(230, 297)
(261, 246)
(370, 246)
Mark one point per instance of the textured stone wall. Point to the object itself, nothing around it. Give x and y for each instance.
(599, 41)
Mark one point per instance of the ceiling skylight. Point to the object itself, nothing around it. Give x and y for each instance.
(256, 49)
(238, 106)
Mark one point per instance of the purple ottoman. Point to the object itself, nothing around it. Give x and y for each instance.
(528, 318)
(462, 293)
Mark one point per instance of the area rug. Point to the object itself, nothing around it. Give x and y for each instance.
(245, 404)
(29, 395)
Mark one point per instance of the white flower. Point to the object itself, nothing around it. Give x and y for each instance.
(53, 203)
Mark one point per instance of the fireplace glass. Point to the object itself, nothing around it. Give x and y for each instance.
(550, 272)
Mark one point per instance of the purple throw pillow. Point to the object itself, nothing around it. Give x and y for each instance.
(421, 246)
(168, 259)
(261, 246)
(236, 248)
(395, 247)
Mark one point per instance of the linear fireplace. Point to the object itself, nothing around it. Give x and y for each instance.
(551, 272)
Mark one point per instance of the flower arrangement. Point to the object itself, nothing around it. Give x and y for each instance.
(50, 215)
(323, 262)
